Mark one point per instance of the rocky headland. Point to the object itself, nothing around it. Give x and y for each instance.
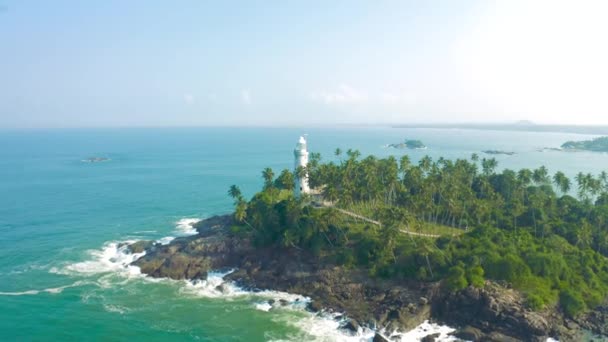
(492, 313)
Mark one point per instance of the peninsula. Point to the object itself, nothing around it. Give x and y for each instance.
(596, 145)
(503, 255)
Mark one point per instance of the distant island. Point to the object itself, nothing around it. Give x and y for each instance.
(411, 144)
(595, 145)
(523, 126)
(95, 159)
(498, 152)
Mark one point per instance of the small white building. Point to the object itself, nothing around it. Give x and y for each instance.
(300, 154)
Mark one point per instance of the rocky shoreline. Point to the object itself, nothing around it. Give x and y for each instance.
(494, 313)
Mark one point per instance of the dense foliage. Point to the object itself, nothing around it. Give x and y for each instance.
(522, 228)
(597, 145)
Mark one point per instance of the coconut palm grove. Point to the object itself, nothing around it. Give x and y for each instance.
(461, 222)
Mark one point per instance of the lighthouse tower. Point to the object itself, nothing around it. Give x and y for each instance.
(300, 154)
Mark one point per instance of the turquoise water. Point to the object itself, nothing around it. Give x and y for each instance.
(60, 217)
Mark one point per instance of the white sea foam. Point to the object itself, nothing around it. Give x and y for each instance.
(52, 290)
(425, 329)
(214, 287)
(185, 226)
(113, 257)
(323, 327)
(115, 308)
(264, 306)
(327, 327)
(22, 293)
(166, 240)
(320, 326)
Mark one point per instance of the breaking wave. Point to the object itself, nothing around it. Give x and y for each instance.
(113, 257)
(185, 226)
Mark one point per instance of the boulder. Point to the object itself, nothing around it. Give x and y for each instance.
(352, 325)
(430, 338)
(314, 306)
(379, 338)
(469, 334)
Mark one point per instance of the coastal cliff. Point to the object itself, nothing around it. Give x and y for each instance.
(492, 313)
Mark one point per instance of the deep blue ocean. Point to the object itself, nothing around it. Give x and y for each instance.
(63, 277)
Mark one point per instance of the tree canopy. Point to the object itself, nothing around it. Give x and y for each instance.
(521, 227)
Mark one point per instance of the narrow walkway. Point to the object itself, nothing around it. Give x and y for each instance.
(357, 216)
(363, 218)
(420, 234)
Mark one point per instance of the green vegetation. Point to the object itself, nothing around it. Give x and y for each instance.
(521, 228)
(596, 145)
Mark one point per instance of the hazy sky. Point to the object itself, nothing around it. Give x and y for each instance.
(160, 63)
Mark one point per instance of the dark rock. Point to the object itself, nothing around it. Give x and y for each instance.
(497, 309)
(498, 337)
(469, 334)
(223, 288)
(430, 338)
(392, 305)
(352, 325)
(283, 302)
(138, 246)
(379, 338)
(314, 306)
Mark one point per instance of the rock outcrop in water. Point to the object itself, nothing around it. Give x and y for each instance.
(494, 313)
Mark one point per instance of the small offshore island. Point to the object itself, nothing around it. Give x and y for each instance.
(595, 145)
(96, 159)
(497, 152)
(411, 144)
(501, 256)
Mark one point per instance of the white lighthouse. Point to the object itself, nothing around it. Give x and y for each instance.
(300, 154)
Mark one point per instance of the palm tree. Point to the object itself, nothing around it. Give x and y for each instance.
(475, 157)
(353, 154)
(338, 152)
(425, 164)
(583, 186)
(583, 235)
(561, 182)
(595, 185)
(404, 164)
(488, 166)
(541, 175)
(235, 193)
(425, 247)
(268, 176)
(604, 180)
(524, 176)
(240, 213)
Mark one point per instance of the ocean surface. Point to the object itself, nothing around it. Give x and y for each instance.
(64, 277)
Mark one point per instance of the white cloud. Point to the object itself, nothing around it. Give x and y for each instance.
(189, 98)
(246, 96)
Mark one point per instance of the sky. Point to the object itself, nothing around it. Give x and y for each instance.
(117, 63)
